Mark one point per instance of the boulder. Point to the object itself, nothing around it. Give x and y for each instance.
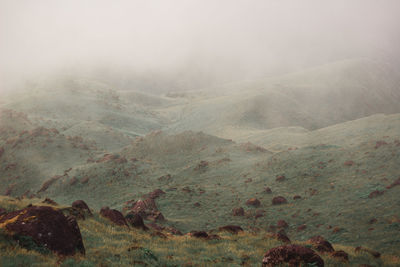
(113, 215)
(136, 221)
(253, 202)
(294, 255)
(45, 228)
(199, 234)
(279, 200)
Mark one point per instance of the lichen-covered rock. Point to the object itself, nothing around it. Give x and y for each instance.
(46, 227)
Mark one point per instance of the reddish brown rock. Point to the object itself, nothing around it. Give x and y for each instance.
(238, 211)
(349, 163)
(267, 190)
(253, 202)
(155, 194)
(282, 224)
(375, 193)
(113, 215)
(301, 227)
(320, 244)
(47, 227)
(279, 200)
(234, 229)
(280, 178)
(294, 255)
(296, 197)
(379, 144)
(395, 183)
(82, 206)
(341, 255)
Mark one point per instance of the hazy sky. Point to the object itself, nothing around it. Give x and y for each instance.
(247, 36)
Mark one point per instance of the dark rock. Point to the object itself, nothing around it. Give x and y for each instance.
(2, 211)
(45, 227)
(197, 204)
(234, 229)
(340, 254)
(113, 215)
(279, 200)
(159, 234)
(238, 211)
(294, 255)
(320, 244)
(82, 206)
(296, 197)
(199, 234)
(136, 221)
(253, 202)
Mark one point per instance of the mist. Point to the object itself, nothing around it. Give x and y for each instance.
(201, 42)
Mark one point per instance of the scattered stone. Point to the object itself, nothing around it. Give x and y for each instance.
(234, 229)
(279, 200)
(44, 227)
(253, 202)
(340, 254)
(294, 255)
(280, 178)
(238, 211)
(267, 190)
(296, 197)
(197, 204)
(282, 224)
(379, 144)
(349, 163)
(280, 236)
(113, 215)
(2, 211)
(155, 194)
(301, 227)
(320, 244)
(375, 193)
(395, 183)
(259, 213)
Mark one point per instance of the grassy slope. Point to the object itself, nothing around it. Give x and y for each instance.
(109, 245)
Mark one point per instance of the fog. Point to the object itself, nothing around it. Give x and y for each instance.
(204, 42)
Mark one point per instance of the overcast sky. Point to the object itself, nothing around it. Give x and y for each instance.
(250, 36)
